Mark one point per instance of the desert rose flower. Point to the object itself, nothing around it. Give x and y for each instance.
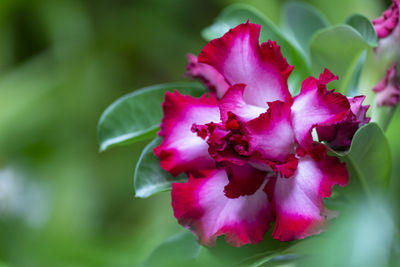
(247, 147)
(385, 25)
(387, 28)
(378, 79)
(388, 90)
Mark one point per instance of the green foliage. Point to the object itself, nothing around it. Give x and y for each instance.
(362, 235)
(340, 49)
(368, 162)
(301, 21)
(136, 116)
(181, 249)
(312, 44)
(364, 26)
(62, 62)
(337, 48)
(239, 13)
(149, 177)
(354, 83)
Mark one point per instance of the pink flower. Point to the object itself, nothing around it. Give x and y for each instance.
(388, 90)
(247, 148)
(385, 24)
(339, 135)
(387, 28)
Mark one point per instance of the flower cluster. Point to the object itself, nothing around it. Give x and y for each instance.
(248, 147)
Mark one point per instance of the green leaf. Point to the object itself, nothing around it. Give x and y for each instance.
(222, 254)
(240, 13)
(368, 161)
(355, 79)
(136, 116)
(364, 26)
(362, 235)
(149, 177)
(268, 259)
(301, 22)
(337, 48)
(180, 250)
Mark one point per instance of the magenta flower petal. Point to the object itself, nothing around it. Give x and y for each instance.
(358, 109)
(250, 155)
(214, 81)
(240, 59)
(385, 24)
(298, 200)
(201, 205)
(387, 28)
(181, 149)
(271, 134)
(340, 135)
(315, 106)
(233, 102)
(388, 90)
(243, 180)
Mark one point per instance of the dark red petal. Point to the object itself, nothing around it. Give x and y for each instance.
(340, 135)
(243, 180)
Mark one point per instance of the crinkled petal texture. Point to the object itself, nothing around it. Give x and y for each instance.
(340, 135)
(240, 59)
(248, 148)
(315, 106)
(181, 149)
(214, 81)
(387, 28)
(385, 24)
(298, 200)
(358, 109)
(201, 206)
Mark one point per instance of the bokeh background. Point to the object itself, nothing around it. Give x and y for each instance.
(62, 62)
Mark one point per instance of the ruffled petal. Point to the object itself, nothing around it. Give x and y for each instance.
(298, 200)
(271, 134)
(240, 59)
(388, 90)
(226, 141)
(233, 102)
(214, 81)
(385, 24)
(340, 135)
(201, 205)
(315, 106)
(358, 109)
(388, 30)
(181, 149)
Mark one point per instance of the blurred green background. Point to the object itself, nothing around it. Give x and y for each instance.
(62, 62)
